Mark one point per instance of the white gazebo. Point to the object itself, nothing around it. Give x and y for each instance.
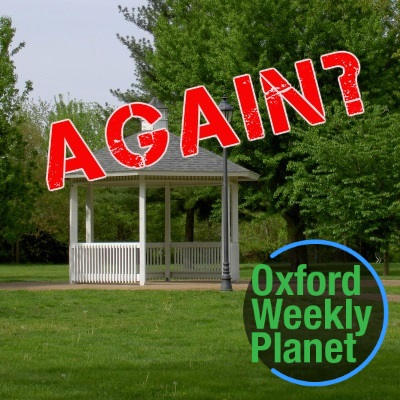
(129, 262)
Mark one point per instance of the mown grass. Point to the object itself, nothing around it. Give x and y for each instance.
(34, 273)
(59, 273)
(394, 270)
(154, 345)
(392, 290)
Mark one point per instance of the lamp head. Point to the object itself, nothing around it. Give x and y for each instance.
(226, 109)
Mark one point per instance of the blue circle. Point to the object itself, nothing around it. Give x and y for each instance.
(385, 311)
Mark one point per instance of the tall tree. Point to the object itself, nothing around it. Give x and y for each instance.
(207, 43)
(146, 18)
(348, 182)
(89, 118)
(16, 188)
(51, 208)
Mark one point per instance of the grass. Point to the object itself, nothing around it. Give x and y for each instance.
(34, 273)
(392, 290)
(106, 345)
(246, 269)
(59, 273)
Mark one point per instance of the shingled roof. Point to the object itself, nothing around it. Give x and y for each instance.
(205, 163)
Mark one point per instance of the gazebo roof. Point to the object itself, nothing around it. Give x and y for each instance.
(204, 164)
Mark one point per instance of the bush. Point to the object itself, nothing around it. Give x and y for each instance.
(260, 236)
(42, 247)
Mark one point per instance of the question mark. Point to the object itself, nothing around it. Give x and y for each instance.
(348, 80)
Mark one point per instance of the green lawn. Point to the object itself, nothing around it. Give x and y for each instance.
(246, 269)
(394, 270)
(59, 273)
(392, 290)
(34, 273)
(154, 345)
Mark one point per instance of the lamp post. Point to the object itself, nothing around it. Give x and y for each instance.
(226, 280)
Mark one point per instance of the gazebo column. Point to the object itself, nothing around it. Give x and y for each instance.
(167, 231)
(142, 230)
(73, 214)
(89, 215)
(73, 228)
(234, 244)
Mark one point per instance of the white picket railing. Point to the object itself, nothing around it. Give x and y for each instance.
(104, 262)
(155, 260)
(119, 262)
(196, 260)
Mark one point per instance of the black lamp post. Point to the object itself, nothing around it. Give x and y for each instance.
(226, 284)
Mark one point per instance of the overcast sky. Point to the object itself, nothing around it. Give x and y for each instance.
(71, 47)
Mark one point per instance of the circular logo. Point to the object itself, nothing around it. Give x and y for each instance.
(315, 324)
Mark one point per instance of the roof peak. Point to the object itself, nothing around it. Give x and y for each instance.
(162, 123)
(157, 103)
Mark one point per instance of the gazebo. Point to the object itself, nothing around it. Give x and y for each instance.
(129, 262)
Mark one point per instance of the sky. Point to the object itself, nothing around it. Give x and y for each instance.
(72, 48)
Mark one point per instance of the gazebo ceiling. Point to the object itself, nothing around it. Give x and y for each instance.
(205, 166)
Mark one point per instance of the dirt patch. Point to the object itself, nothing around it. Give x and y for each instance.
(394, 298)
(393, 282)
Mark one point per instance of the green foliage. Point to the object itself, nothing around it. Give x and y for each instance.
(17, 192)
(347, 181)
(50, 210)
(141, 49)
(89, 119)
(260, 235)
(208, 43)
(43, 247)
(10, 98)
(117, 215)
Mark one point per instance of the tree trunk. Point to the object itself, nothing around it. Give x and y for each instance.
(120, 233)
(386, 263)
(17, 251)
(189, 227)
(295, 227)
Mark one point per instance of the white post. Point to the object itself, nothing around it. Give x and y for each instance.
(73, 228)
(167, 232)
(89, 215)
(142, 230)
(234, 247)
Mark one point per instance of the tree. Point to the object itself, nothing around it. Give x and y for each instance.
(17, 191)
(348, 182)
(141, 49)
(51, 208)
(89, 118)
(208, 43)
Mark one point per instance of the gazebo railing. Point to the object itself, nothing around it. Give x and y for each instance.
(119, 262)
(155, 260)
(196, 260)
(104, 262)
